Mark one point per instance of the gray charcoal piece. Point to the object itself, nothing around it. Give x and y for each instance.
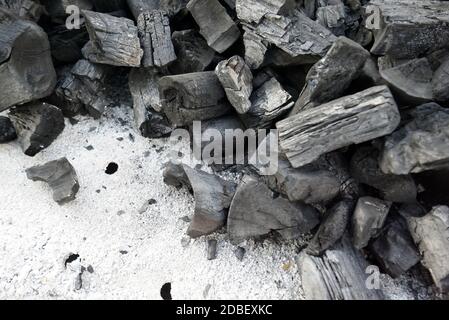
(411, 28)
(308, 184)
(240, 253)
(192, 97)
(365, 169)
(26, 67)
(212, 194)
(353, 119)
(431, 234)
(27, 9)
(237, 80)
(421, 145)
(256, 211)
(268, 103)
(332, 228)
(211, 249)
(368, 219)
(255, 48)
(340, 274)
(440, 82)
(155, 37)
(113, 40)
(143, 84)
(411, 81)
(395, 251)
(252, 11)
(329, 78)
(7, 130)
(194, 55)
(172, 7)
(37, 125)
(216, 26)
(60, 176)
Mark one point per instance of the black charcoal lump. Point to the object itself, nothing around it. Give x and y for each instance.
(7, 131)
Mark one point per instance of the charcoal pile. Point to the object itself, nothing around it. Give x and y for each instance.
(359, 100)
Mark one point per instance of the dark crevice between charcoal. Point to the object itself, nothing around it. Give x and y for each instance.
(435, 185)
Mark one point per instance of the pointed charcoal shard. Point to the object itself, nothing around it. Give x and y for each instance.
(155, 37)
(256, 211)
(421, 145)
(332, 228)
(396, 188)
(368, 219)
(7, 131)
(194, 96)
(252, 11)
(212, 194)
(332, 75)
(308, 184)
(411, 81)
(26, 68)
(340, 274)
(237, 81)
(60, 176)
(194, 55)
(113, 40)
(268, 103)
(143, 84)
(431, 234)
(409, 29)
(353, 119)
(216, 26)
(27, 9)
(395, 250)
(440, 82)
(37, 125)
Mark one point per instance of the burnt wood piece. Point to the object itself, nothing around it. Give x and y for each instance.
(143, 84)
(411, 28)
(421, 145)
(193, 96)
(212, 194)
(252, 11)
(26, 67)
(237, 80)
(113, 40)
(330, 77)
(60, 176)
(396, 188)
(440, 82)
(353, 119)
(255, 48)
(27, 9)
(216, 26)
(340, 274)
(431, 235)
(7, 131)
(172, 7)
(155, 37)
(256, 211)
(37, 126)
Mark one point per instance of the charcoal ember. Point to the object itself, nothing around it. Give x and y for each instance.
(431, 235)
(7, 131)
(340, 274)
(421, 145)
(194, 96)
(150, 122)
(237, 80)
(26, 68)
(252, 11)
(113, 40)
(84, 85)
(332, 228)
(368, 220)
(60, 176)
(216, 26)
(396, 188)
(194, 55)
(109, 5)
(155, 37)
(66, 45)
(172, 7)
(268, 102)
(353, 119)
(256, 211)
(411, 81)
(37, 125)
(255, 49)
(212, 194)
(395, 251)
(308, 184)
(57, 9)
(24, 8)
(440, 82)
(330, 77)
(411, 28)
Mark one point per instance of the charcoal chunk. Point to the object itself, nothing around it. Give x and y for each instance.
(172, 7)
(252, 11)
(211, 249)
(440, 82)
(24, 8)
(7, 131)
